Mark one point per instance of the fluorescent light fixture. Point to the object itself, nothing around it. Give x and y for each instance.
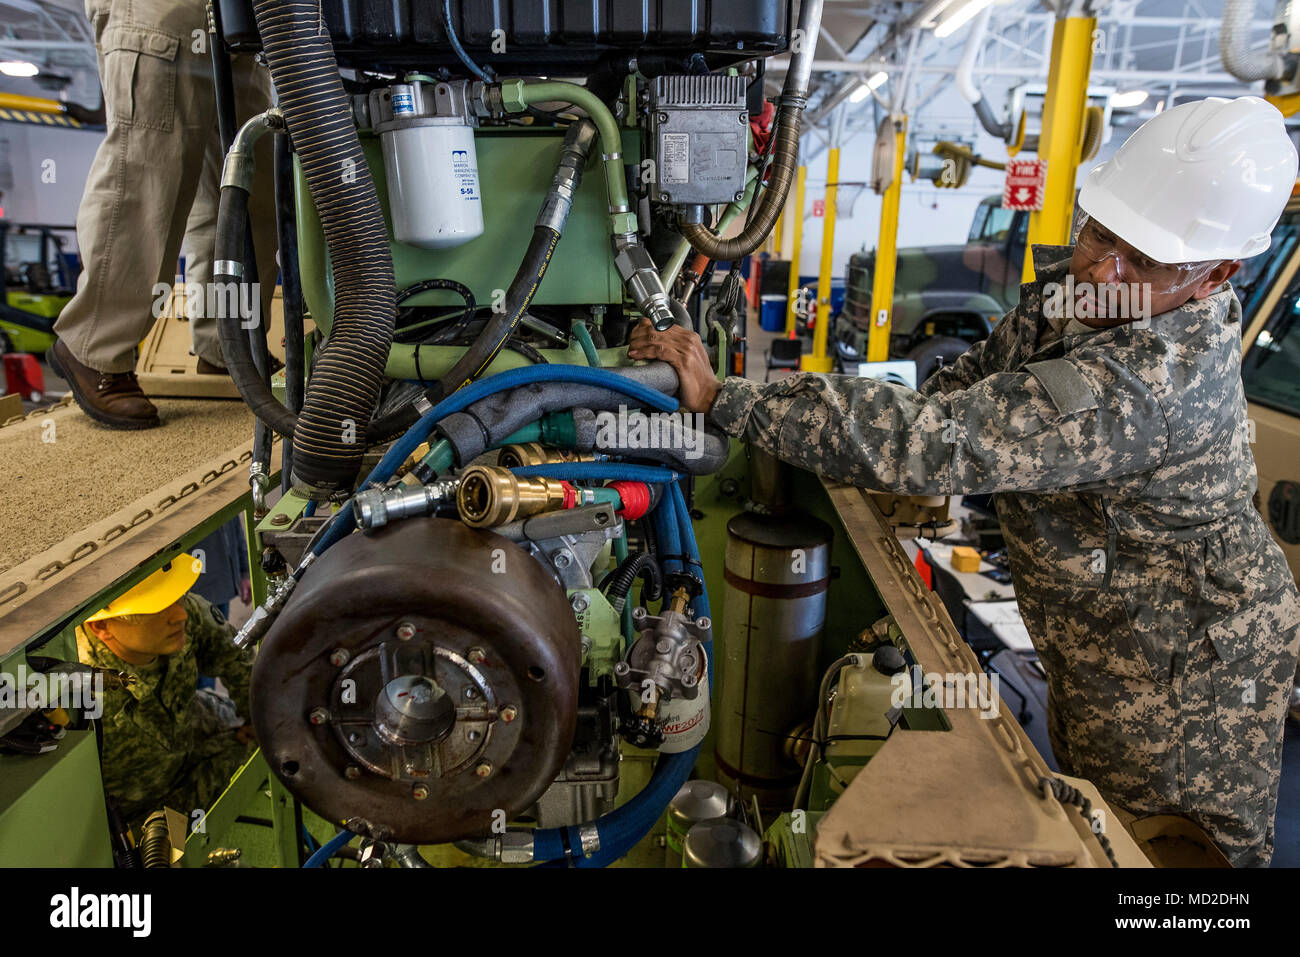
(18, 68)
(1129, 98)
(864, 90)
(959, 16)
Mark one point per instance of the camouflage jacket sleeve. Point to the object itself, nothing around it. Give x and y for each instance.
(986, 356)
(215, 651)
(1062, 423)
(962, 374)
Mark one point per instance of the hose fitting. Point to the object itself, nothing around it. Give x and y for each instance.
(641, 277)
(490, 495)
(535, 453)
(238, 169)
(568, 176)
(376, 507)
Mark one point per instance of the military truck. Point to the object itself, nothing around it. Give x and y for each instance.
(946, 298)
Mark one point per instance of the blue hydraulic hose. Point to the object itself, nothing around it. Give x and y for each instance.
(331, 848)
(513, 379)
(668, 527)
(692, 551)
(597, 471)
(344, 521)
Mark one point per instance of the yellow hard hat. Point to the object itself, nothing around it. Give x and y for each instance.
(158, 591)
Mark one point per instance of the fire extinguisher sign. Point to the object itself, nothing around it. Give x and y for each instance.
(1023, 189)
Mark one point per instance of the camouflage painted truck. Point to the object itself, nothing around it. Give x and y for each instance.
(946, 298)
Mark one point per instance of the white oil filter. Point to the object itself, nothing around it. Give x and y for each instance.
(433, 188)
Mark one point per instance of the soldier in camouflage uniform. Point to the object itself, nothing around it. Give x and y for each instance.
(166, 742)
(1165, 615)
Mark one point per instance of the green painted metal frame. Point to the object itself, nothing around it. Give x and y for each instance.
(515, 167)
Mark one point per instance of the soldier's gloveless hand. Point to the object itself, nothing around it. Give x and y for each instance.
(682, 349)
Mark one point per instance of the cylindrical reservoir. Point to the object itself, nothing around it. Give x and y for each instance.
(722, 843)
(696, 801)
(777, 572)
(433, 188)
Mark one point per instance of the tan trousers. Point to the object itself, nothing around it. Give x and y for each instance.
(161, 143)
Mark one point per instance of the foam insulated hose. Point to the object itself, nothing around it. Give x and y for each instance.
(329, 436)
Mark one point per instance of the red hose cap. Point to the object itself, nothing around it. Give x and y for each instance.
(635, 496)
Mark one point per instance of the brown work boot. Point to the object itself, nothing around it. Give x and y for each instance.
(112, 398)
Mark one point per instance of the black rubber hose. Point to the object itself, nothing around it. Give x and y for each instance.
(518, 298)
(236, 348)
(223, 82)
(415, 331)
(648, 534)
(347, 376)
(489, 342)
(643, 565)
(579, 140)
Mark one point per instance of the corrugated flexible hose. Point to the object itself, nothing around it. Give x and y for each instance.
(329, 436)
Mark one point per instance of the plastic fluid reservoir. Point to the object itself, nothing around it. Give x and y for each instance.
(431, 165)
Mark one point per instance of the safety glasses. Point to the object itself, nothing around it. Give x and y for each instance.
(1097, 243)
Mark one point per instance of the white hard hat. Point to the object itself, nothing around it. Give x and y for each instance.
(1204, 180)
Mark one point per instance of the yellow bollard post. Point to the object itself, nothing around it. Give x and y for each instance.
(796, 249)
(818, 360)
(882, 281)
(1058, 144)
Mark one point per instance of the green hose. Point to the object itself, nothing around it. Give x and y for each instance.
(588, 347)
(436, 361)
(440, 457)
(620, 556)
(517, 95)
